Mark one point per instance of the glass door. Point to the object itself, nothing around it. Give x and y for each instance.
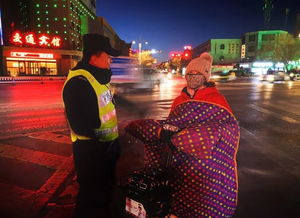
(22, 68)
(34, 68)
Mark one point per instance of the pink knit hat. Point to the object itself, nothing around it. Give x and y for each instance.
(202, 65)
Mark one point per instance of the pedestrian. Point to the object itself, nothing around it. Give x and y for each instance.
(91, 115)
(199, 86)
(204, 136)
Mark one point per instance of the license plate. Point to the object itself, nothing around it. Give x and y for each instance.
(135, 208)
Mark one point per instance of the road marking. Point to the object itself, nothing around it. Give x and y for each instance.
(30, 126)
(51, 186)
(274, 114)
(51, 136)
(48, 160)
(284, 106)
(64, 169)
(14, 196)
(166, 105)
(232, 88)
(20, 107)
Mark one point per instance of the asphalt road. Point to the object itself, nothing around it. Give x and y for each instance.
(35, 151)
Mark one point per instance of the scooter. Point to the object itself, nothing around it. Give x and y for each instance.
(149, 192)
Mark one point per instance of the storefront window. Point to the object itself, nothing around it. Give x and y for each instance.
(21, 68)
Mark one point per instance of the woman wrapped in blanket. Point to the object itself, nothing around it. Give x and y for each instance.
(205, 135)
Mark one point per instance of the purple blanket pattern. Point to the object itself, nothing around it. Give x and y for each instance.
(204, 169)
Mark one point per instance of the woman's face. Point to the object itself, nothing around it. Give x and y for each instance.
(194, 79)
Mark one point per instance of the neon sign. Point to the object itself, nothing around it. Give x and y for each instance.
(31, 55)
(243, 51)
(263, 64)
(31, 39)
(17, 38)
(1, 34)
(43, 40)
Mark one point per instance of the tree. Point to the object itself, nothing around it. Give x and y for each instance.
(286, 49)
(175, 63)
(146, 58)
(283, 49)
(163, 65)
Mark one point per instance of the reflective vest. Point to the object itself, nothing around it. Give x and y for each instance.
(108, 130)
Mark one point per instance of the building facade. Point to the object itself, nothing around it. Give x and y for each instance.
(261, 44)
(224, 51)
(107, 30)
(297, 26)
(45, 37)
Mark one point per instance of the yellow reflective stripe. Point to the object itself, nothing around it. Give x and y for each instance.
(74, 137)
(106, 131)
(109, 124)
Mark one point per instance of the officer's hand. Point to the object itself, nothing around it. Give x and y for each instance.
(167, 132)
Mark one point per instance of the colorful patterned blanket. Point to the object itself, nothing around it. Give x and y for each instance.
(204, 169)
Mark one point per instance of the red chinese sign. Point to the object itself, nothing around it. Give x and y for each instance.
(30, 39)
(17, 38)
(41, 40)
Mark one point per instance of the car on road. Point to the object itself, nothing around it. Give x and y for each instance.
(294, 75)
(223, 76)
(274, 75)
(242, 72)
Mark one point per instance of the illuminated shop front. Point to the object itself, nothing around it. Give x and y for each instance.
(261, 67)
(25, 63)
(31, 54)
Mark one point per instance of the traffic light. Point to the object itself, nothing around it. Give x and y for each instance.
(187, 54)
(174, 54)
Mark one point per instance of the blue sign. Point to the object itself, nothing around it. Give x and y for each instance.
(1, 33)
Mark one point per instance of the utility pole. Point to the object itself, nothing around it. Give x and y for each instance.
(140, 43)
(287, 11)
(267, 8)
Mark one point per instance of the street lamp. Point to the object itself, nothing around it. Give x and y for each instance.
(140, 48)
(153, 51)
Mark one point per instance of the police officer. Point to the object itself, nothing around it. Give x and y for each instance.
(91, 116)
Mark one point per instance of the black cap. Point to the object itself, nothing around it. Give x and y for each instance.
(93, 43)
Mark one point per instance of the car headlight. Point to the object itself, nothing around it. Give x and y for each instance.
(270, 78)
(215, 77)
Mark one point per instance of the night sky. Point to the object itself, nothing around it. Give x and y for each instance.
(168, 25)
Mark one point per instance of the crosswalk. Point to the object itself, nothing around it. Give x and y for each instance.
(287, 111)
(274, 114)
(292, 107)
(48, 170)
